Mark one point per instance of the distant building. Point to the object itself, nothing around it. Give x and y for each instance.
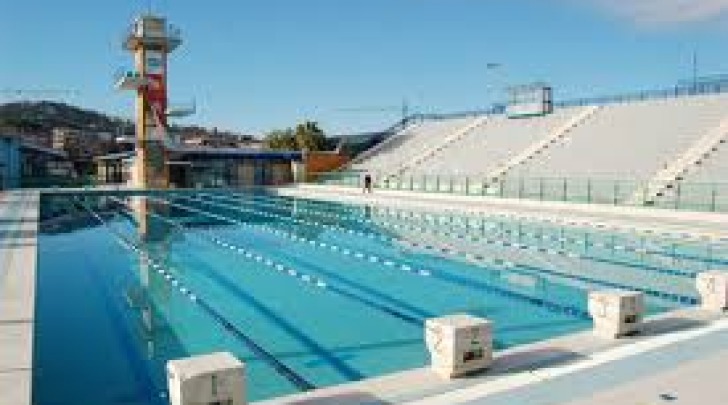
(10, 162)
(81, 144)
(218, 140)
(25, 164)
(65, 138)
(206, 167)
(41, 166)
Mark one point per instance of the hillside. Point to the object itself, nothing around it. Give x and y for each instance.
(43, 116)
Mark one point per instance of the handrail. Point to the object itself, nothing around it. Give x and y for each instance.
(657, 94)
(702, 197)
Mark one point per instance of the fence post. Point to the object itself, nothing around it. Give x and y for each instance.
(615, 196)
(540, 188)
(713, 196)
(452, 188)
(566, 193)
(588, 191)
(677, 196)
(412, 183)
(520, 187)
(437, 183)
(467, 185)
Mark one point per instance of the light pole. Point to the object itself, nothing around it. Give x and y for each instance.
(695, 70)
(493, 67)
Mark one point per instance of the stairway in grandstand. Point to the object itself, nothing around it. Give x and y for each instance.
(449, 141)
(488, 146)
(628, 142)
(697, 155)
(409, 145)
(544, 143)
(390, 143)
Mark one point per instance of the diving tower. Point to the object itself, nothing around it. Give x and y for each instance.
(150, 39)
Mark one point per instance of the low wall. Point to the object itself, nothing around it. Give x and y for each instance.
(323, 162)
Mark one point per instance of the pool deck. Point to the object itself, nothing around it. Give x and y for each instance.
(680, 354)
(18, 251)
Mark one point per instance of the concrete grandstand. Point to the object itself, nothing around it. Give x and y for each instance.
(646, 149)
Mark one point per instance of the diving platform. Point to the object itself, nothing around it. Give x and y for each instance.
(130, 80)
(152, 32)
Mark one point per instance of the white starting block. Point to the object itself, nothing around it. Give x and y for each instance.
(459, 344)
(713, 289)
(616, 313)
(213, 379)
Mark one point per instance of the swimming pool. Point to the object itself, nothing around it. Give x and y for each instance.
(310, 293)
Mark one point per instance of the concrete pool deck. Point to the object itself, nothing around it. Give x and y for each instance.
(679, 354)
(682, 356)
(18, 251)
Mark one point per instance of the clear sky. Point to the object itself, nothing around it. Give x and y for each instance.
(255, 65)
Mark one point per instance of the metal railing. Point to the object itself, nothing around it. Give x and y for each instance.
(658, 94)
(678, 91)
(707, 197)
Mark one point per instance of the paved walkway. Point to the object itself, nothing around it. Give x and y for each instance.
(695, 382)
(18, 231)
(680, 359)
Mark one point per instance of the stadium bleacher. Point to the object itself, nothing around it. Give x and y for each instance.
(650, 145)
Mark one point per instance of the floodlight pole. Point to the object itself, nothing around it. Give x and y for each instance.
(695, 70)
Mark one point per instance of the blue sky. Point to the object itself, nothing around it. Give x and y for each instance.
(257, 65)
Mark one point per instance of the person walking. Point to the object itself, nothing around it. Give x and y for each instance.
(367, 183)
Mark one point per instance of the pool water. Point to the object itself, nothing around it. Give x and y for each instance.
(309, 293)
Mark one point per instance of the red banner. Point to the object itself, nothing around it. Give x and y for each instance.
(157, 96)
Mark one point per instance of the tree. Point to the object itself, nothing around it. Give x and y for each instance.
(281, 139)
(309, 136)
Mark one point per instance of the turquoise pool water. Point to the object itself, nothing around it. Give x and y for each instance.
(309, 293)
